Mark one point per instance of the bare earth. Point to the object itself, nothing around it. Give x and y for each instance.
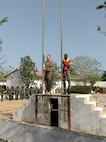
(7, 107)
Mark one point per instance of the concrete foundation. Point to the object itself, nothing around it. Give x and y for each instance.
(87, 122)
(23, 132)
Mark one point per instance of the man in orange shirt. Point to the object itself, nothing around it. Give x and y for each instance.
(66, 72)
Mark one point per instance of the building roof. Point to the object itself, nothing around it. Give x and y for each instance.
(101, 84)
(11, 73)
(38, 73)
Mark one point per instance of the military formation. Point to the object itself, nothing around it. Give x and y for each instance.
(13, 93)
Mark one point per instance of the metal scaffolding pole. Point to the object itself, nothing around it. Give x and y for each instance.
(61, 46)
(43, 35)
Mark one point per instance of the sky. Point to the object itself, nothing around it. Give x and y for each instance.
(22, 34)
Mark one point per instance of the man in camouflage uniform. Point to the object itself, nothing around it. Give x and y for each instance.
(11, 93)
(31, 90)
(17, 91)
(1, 93)
(27, 92)
(48, 73)
(22, 92)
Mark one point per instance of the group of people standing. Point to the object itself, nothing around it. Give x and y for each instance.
(49, 68)
(15, 93)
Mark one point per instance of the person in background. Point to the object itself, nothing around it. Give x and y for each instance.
(48, 69)
(17, 92)
(66, 63)
(22, 95)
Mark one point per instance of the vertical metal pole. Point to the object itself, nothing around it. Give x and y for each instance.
(36, 109)
(43, 33)
(69, 105)
(61, 26)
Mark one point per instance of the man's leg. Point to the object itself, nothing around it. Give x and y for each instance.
(64, 87)
(49, 82)
(64, 83)
(69, 84)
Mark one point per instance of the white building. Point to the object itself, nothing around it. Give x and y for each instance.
(14, 79)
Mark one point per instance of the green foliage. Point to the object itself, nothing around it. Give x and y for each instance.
(1, 74)
(56, 72)
(72, 71)
(103, 77)
(3, 70)
(27, 70)
(2, 61)
(99, 28)
(81, 89)
(98, 8)
(86, 68)
(3, 20)
(3, 87)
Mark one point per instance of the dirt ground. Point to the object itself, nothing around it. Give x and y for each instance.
(1, 140)
(7, 107)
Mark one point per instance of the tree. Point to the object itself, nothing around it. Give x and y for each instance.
(86, 68)
(3, 20)
(98, 8)
(2, 56)
(3, 70)
(56, 72)
(27, 70)
(2, 61)
(72, 71)
(103, 76)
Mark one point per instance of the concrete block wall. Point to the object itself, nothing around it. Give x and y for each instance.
(25, 132)
(85, 116)
(26, 112)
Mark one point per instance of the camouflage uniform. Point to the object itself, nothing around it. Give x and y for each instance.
(31, 90)
(49, 65)
(27, 92)
(17, 93)
(7, 92)
(11, 93)
(22, 92)
(1, 93)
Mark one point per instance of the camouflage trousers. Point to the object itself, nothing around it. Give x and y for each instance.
(66, 77)
(49, 81)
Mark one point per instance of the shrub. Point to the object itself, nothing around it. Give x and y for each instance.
(81, 89)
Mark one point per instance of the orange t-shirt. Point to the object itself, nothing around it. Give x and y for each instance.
(66, 64)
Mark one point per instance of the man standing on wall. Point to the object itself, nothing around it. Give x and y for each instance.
(48, 68)
(66, 63)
